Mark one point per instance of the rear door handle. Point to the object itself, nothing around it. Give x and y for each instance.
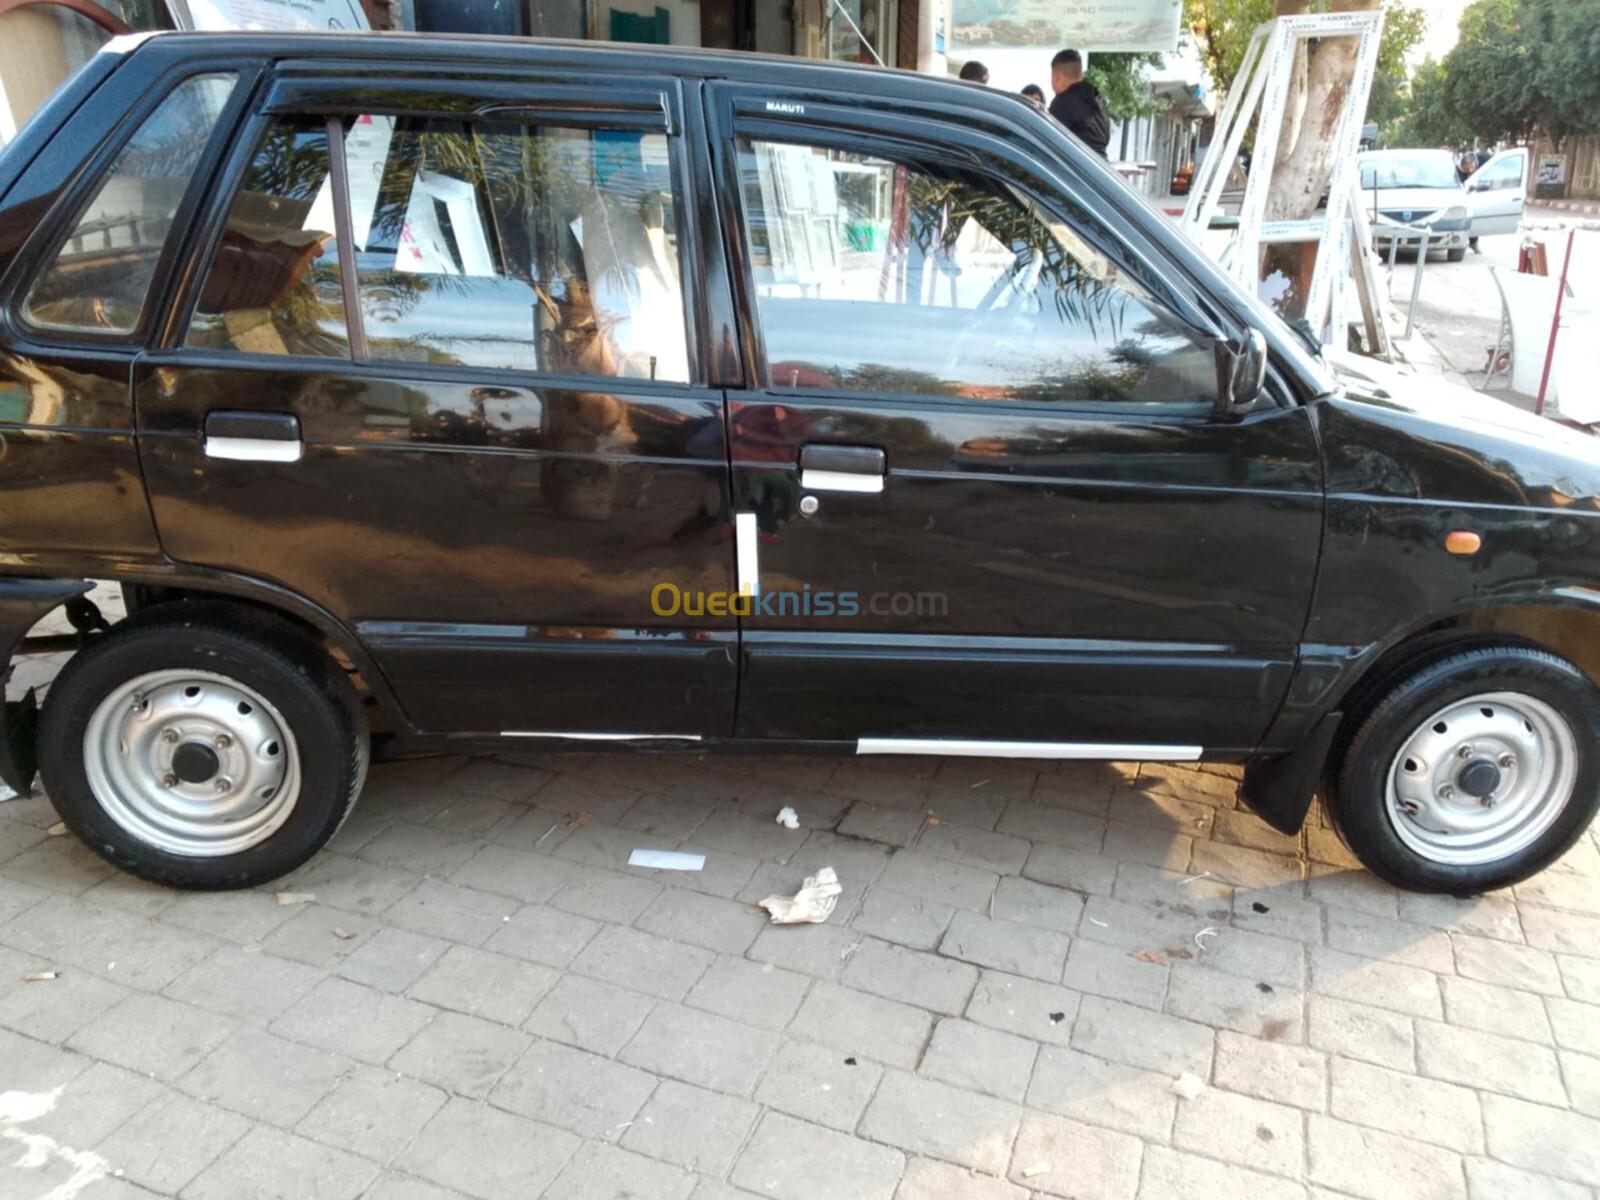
(825, 468)
(253, 436)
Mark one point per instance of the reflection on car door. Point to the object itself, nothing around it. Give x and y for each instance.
(438, 376)
(983, 494)
(1497, 191)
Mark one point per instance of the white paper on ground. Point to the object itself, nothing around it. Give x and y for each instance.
(788, 818)
(667, 860)
(814, 902)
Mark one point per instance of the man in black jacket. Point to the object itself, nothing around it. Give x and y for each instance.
(1077, 104)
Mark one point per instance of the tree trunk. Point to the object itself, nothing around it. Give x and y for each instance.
(1304, 161)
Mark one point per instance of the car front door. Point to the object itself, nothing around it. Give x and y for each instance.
(982, 495)
(438, 373)
(1497, 192)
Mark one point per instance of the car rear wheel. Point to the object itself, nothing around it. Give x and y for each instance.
(200, 756)
(1473, 773)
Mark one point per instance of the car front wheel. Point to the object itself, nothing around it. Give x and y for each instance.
(200, 756)
(1474, 773)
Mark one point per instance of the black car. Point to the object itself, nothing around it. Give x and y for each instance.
(445, 395)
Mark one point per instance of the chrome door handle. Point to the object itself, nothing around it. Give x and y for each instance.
(253, 436)
(825, 468)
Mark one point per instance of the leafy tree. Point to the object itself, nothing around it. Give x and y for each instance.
(1428, 118)
(1120, 80)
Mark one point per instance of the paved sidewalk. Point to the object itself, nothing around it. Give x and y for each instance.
(482, 1000)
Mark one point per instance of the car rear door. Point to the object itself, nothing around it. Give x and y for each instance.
(438, 371)
(979, 484)
(1497, 193)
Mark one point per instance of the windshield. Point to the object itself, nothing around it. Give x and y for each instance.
(1424, 169)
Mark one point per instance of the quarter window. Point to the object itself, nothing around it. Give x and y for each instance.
(99, 278)
(894, 276)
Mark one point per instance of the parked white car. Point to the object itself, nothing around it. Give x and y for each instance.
(1420, 189)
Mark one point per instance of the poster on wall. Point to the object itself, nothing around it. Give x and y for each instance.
(1551, 182)
(1099, 25)
(267, 14)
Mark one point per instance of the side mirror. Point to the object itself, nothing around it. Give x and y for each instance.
(1241, 372)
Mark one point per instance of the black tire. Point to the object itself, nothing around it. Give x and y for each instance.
(308, 692)
(1359, 803)
(1456, 255)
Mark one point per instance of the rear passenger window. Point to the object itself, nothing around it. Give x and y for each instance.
(477, 244)
(274, 285)
(100, 276)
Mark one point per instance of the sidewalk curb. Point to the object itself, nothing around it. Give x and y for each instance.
(1588, 208)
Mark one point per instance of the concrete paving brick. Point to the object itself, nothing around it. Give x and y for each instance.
(1162, 888)
(247, 984)
(890, 824)
(1440, 1113)
(821, 951)
(1582, 1075)
(544, 935)
(927, 1179)
(483, 984)
(96, 1102)
(1099, 969)
(904, 920)
(351, 1018)
(1240, 827)
(265, 1077)
(352, 884)
(452, 912)
(268, 1164)
(60, 864)
(1490, 1180)
(530, 878)
(392, 959)
(321, 937)
(1359, 1031)
(791, 1160)
(609, 896)
(1489, 916)
(700, 1130)
(373, 1113)
(1123, 1033)
(1376, 1165)
(1234, 1002)
(1568, 933)
(979, 848)
(1081, 871)
(932, 878)
(1098, 1092)
(590, 1014)
(1174, 1175)
(486, 1153)
(1285, 1074)
(122, 947)
(1043, 1012)
(153, 1035)
(1147, 845)
(1393, 941)
(464, 1055)
(1560, 889)
(755, 993)
(1258, 957)
(1507, 965)
(863, 1025)
(1244, 867)
(1495, 1009)
(1242, 1130)
(819, 1084)
(167, 1144)
(911, 977)
(708, 921)
(1542, 1139)
(235, 917)
(573, 1089)
(1032, 903)
(51, 1010)
(1136, 927)
(1351, 888)
(1409, 990)
(642, 960)
(666, 816)
(1053, 825)
(979, 1059)
(420, 850)
(1576, 1025)
(1007, 946)
(1489, 1061)
(1271, 911)
(1581, 977)
(599, 1172)
(673, 1042)
(1058, 1157)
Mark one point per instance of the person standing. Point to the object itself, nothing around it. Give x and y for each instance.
(1034, 92)
(1078, 105)
(974, 71)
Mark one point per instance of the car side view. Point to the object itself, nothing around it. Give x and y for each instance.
(445, 395)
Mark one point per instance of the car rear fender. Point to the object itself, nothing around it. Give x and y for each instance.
(22, 603)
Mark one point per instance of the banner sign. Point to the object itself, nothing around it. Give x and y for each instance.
(1092, 25)
(268, 14)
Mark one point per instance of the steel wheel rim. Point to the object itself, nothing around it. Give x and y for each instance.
(1482, 778)
(146, 751)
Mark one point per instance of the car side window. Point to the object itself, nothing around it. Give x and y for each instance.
(479, 244)
(899, 276)
(100, 276)
(274, 285)
(1507, 173)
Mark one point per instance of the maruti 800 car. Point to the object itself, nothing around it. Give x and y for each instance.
(451, 395)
